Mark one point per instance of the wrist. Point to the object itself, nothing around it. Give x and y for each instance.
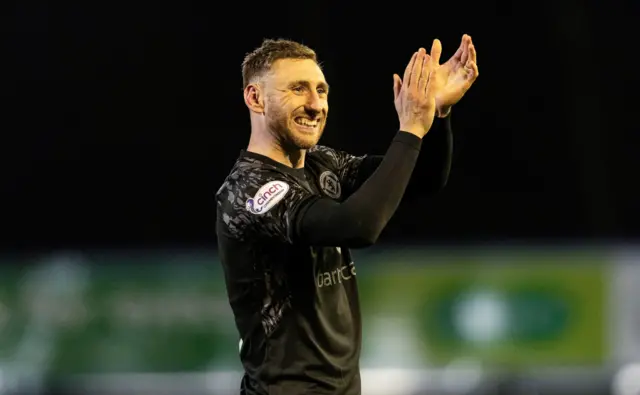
(443, 112)
(415, 130)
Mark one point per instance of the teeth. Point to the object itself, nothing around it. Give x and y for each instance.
(306, 122)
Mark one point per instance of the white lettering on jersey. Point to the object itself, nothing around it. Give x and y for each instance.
(334, 277)
(267, 196)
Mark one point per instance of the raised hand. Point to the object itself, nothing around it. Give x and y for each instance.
(414, 95)
(454, 78)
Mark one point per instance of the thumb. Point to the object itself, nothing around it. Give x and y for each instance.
(397, 84)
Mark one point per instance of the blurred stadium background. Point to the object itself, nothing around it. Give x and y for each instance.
(120, 122)
(491, 320)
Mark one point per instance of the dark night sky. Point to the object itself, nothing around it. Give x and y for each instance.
(121, 123)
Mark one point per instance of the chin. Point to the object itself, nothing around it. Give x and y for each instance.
(304, 140)
(310, 141)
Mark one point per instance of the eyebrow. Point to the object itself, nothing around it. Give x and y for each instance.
(307, 84)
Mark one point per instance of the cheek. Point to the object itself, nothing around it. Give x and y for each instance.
(325, 113)
(286, 106)
(278, 104)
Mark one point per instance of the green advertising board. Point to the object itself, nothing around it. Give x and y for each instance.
(168, 312)
(125, 313)
(513, 309)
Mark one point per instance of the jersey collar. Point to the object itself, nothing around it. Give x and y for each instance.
(266, 160)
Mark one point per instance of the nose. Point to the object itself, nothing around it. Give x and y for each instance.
(314, 102)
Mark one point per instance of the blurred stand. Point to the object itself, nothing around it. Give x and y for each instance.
(464, 321)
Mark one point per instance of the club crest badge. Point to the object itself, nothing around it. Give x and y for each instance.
(330, 184)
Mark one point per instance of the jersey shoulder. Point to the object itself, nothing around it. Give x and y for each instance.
(245, 179)
(333, 158)
(252, 190)
(327, 156)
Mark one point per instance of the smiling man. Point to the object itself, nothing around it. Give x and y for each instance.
(290, 209)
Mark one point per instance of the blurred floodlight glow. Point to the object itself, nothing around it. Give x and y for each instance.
(627, 380)
(395, 343)
(389, 381)
(482, 317)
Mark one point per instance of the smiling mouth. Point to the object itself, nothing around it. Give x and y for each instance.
(305, 122)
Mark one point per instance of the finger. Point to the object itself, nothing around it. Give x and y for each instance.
(409, 69)
(430, 85)
(473, 71)
(472, 54)
(426, 71)
(417, 69)
(397, 84)
(436, 51)
(468, 40)
(465, 50)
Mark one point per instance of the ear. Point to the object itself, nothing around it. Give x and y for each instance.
(254, 98)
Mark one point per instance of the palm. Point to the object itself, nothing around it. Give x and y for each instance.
(455, 77)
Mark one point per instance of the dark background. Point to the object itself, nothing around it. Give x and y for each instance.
(121, 121)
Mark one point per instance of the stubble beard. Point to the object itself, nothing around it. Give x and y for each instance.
(279, 126)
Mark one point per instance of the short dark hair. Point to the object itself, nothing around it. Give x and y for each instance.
(259, 62)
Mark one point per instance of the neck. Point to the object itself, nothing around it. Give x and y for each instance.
(264, 143)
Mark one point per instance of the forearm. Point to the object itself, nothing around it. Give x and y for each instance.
(359, 220)
(435, 163)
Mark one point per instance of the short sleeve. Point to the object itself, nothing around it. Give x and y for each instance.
(261, 205)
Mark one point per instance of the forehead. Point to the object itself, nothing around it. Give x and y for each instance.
(286, 70)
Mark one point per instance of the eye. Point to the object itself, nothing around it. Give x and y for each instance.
(298, 89)
(322, 91)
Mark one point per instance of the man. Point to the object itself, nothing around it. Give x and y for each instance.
(290, 209)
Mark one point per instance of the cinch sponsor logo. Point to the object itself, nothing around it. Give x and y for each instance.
(334, 277)
(267, 197)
